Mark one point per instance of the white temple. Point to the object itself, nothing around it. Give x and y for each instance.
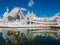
(16, 21)
(16, 18)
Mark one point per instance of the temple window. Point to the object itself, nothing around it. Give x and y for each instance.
(27, 18)
(28, 22)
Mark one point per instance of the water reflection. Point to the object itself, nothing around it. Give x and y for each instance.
(25, 36)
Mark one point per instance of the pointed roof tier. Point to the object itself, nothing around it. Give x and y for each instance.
(15, 11)
(6, 13)
(33, 15)
(28, 14)
(57, 15)
(15, 14)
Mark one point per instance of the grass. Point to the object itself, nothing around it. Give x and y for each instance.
(51, 27)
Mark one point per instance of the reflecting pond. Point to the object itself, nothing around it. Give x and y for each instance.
(29, 36)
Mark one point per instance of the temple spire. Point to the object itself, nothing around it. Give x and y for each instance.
(28, 12)
(7, 9)
(32, 12)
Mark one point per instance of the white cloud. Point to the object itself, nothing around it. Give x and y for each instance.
(30, 3)
(24, 9)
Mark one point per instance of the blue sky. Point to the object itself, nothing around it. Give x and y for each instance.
(40, 7)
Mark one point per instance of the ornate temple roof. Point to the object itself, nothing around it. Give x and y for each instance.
(16, 16)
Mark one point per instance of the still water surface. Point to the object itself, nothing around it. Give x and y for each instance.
(25, 36)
